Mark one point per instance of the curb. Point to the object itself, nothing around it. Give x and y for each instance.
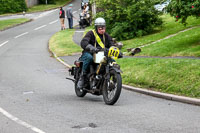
(57, 58)
(60, 60)
(172, 97)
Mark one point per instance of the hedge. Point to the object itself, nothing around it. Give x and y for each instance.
(12, 6)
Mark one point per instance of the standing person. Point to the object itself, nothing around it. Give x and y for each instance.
(86, 14)
(85, 8)
(82, 4)
(62, 18)
(70, 16)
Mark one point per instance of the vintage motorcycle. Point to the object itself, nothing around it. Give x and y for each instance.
(85, 20)
(103, 78)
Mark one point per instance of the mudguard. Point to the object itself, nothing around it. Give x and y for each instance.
(116, 69)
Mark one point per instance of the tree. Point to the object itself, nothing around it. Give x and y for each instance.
(182, 9)
(127, 19)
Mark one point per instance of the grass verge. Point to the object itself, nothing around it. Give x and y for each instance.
(183, 44)
(175, 76)
(62, 44)
(4, 24)
(43, 7)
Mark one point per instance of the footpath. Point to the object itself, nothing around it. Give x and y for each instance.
(68, 61)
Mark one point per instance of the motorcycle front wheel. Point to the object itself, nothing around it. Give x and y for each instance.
(112, 88)
(79, 92)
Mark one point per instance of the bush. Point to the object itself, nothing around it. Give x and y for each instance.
(129, 18)
(12, 6)
(48, 2)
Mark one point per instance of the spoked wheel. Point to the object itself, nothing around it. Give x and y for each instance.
(79, 92)
(112, 88)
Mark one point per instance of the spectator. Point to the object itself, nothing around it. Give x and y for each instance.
(70, 16)
(85, 8)
(62, 18)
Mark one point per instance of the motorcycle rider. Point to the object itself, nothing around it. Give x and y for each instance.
(91, 43)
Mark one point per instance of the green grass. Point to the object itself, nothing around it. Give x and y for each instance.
(176, 76)
(4, 24)
(44, 7)
(62, 43)
(184, 44)
(169, 27)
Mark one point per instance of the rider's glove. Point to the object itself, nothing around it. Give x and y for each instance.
(91, 48)
(94, 50)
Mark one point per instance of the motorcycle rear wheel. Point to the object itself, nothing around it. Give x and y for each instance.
(112, 88)
(79, 92)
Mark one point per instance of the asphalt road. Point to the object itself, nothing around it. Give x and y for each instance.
(35, 97)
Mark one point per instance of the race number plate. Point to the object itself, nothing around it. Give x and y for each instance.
(113, 52)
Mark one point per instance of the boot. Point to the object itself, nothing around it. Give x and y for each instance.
(81, 80)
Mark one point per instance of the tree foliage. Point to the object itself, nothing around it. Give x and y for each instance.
(12, 6)
(182, 9)
(127, 19)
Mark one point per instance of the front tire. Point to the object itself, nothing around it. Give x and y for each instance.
(112, 88)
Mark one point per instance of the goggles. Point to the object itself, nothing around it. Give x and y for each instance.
(101, 27)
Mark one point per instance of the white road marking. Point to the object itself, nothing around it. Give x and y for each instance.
(40, 27)
(27, 92)
(74, 12)
(53, 22)
(3, 43)
(18, 121)
(21, 35)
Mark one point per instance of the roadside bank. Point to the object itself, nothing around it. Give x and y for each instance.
(69, 60)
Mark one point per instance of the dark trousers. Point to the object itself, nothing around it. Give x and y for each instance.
(70, 21)
(87, 59)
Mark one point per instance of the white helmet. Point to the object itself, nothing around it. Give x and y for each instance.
(100, 22)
